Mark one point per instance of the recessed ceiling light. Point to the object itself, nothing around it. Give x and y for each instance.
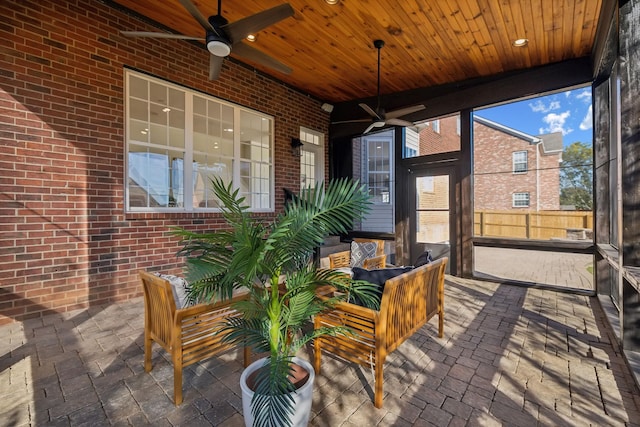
(332, 1)
(252, 37)
(520, 42)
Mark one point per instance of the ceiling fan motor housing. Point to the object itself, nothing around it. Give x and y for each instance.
(217, 45)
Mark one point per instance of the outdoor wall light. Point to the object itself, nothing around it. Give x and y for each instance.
(296, 147)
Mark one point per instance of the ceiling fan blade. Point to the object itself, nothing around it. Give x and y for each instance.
(240, 29)
(158, 35)
(351, 121)
(370, 111)
(368, 129)
(215, 66)
(193, 10)
(404, 111)
(376, 124)
(399, 122)
(253, 54)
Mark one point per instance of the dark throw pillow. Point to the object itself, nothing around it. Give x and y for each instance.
(378, 277)
(424, 258)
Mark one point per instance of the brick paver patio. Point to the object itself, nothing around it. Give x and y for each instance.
(510, 356)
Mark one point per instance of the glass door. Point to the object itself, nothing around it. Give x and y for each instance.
(432, 214)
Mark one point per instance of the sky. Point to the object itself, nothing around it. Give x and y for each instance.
(567, 112)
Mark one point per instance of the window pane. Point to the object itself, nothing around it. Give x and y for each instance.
(379, 182)
(205, 168)
(138, 88)
(433, 137)
(155, 177)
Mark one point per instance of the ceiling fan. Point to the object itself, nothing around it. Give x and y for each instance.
(221, 37)
(380, 117)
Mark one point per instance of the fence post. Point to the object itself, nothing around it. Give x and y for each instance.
(481, 223)
(528, 222)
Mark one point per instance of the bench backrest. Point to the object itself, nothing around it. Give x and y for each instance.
(410, 300)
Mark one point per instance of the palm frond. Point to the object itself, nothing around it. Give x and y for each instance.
(248, 332)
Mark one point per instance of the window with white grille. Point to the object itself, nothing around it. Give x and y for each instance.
(520, 163)
(520, 200)
(178, 139)
(312, 157)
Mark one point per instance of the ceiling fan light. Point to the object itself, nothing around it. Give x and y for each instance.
(218, 46)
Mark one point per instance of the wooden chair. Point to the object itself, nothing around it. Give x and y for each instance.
(343, 258)
(378, 261)
(190, 334)
(408, 302)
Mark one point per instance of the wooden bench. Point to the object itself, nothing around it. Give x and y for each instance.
(189, 334)
(408, 302)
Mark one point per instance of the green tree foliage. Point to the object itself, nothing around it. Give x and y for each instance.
(576, 176)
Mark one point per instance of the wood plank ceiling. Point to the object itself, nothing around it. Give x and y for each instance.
(428, 42)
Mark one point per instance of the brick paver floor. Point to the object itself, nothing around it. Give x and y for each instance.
(569, 270)
(510, 356)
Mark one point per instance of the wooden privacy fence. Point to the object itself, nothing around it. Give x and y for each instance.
(541, 225)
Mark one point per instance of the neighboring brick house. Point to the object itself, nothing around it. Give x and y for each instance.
(440, 135)
(512, 170)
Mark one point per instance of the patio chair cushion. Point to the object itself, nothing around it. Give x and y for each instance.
(424, 258)
(377, 277)
(179, 287)
(361, 251)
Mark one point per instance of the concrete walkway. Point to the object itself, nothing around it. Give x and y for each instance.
(510, 356)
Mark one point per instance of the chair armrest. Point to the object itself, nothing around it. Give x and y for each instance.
(353, 316)
(196, 322)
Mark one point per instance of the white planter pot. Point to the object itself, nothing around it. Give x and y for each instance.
(303, 396)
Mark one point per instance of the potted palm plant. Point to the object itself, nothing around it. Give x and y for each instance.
(272, 260)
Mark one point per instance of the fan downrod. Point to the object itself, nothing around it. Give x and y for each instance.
(378, 44)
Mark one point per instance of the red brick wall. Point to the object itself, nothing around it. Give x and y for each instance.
(445, 141)
(549, 181)
(65, 239)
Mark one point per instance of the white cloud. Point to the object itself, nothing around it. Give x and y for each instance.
(584, 96)
(557, 123)
(586, 122)
(540, 107)
(567, 94)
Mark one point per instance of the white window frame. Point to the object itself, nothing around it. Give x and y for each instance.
(367, 172)
(517, 161)
(436, 126)
(312, 157)
(260, 197)
(518, 198)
